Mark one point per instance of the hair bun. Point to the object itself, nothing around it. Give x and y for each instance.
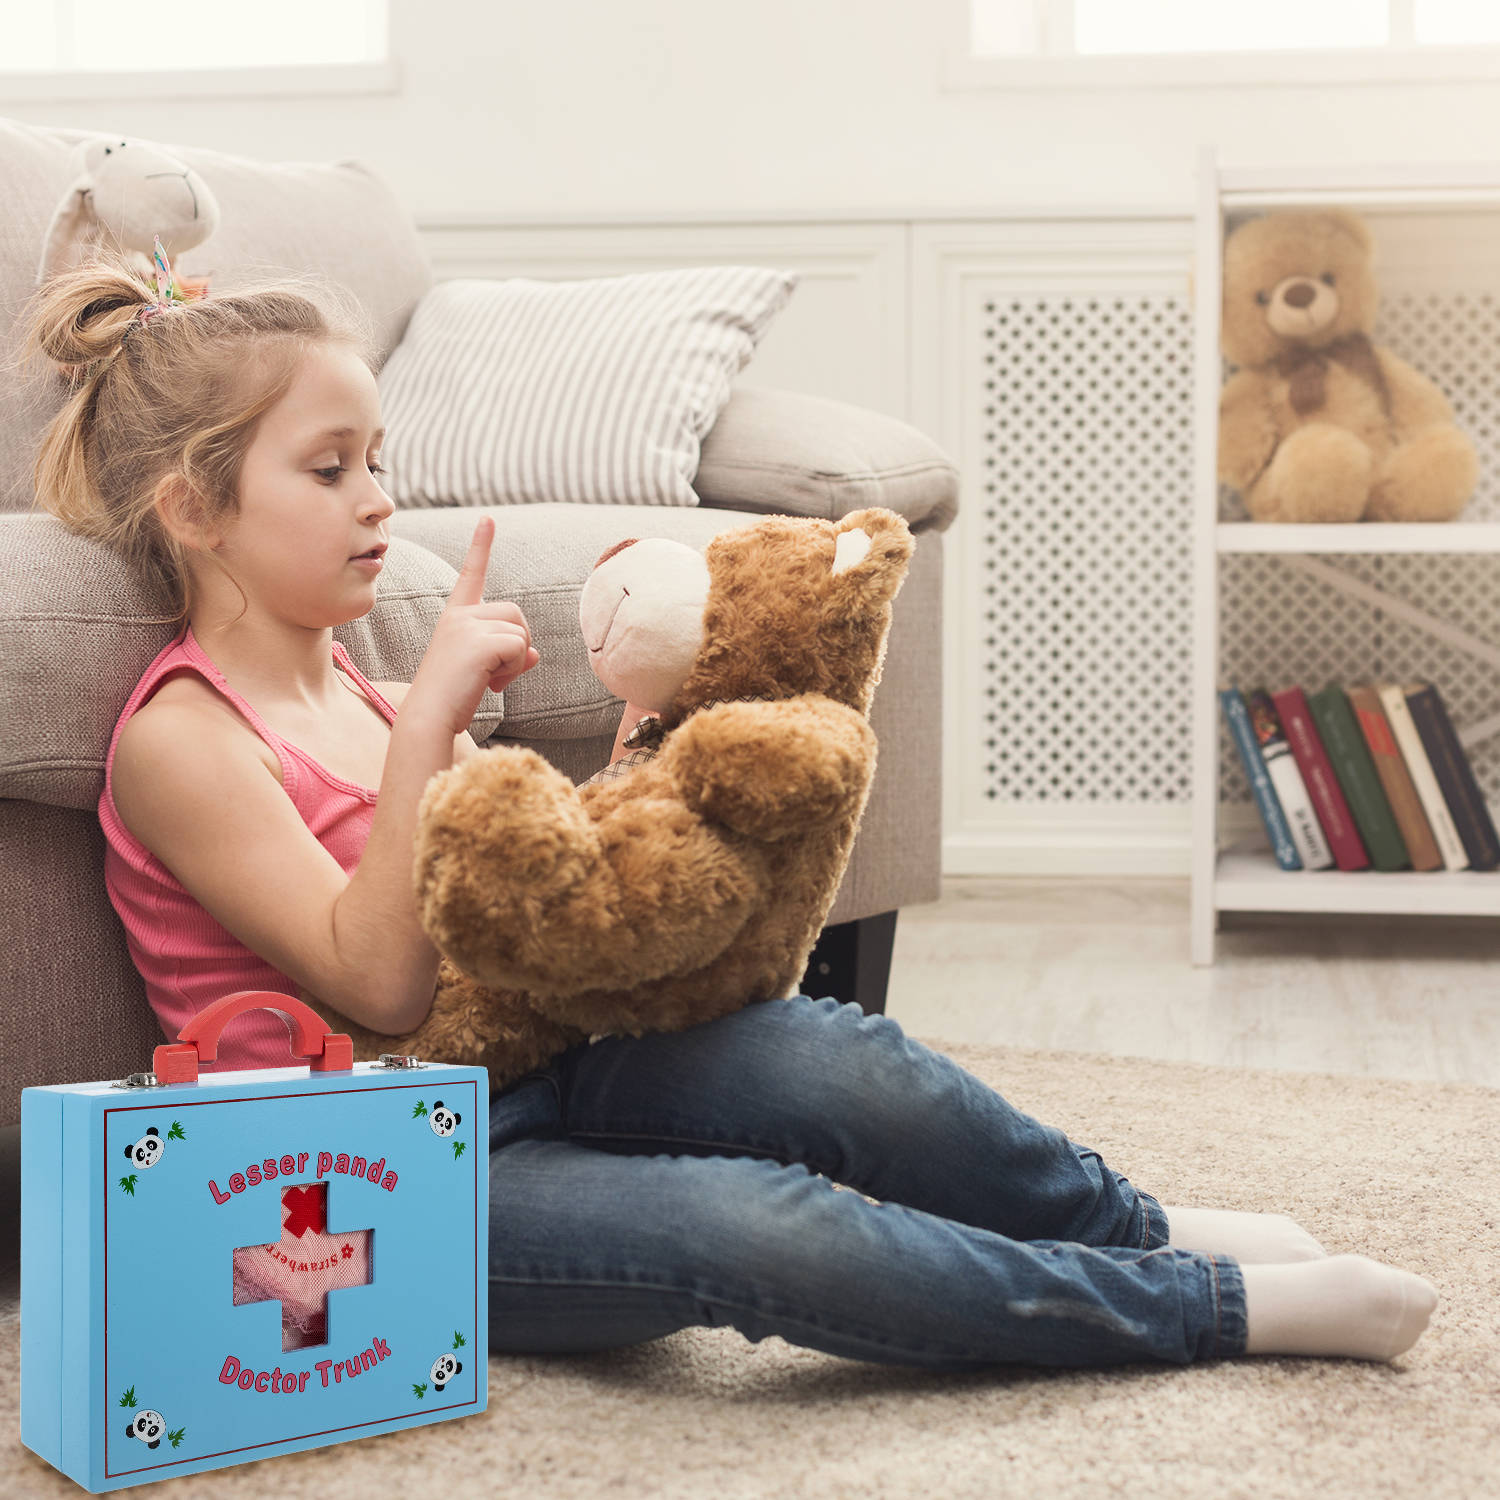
(94, 306)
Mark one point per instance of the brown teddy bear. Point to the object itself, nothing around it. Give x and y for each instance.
(1319, 424)
(692, 877)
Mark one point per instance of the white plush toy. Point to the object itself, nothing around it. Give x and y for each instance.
(125, 193)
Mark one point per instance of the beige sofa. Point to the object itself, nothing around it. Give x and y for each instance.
(77, 631)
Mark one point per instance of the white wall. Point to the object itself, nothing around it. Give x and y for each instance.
(682, 107)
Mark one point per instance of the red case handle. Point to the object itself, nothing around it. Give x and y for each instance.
(326, 1050)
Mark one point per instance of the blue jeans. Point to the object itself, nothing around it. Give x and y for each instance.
(640, 1185)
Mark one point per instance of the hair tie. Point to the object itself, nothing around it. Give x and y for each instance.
(167, 291)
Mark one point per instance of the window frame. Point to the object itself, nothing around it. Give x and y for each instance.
(315, 80)
(1395, 62)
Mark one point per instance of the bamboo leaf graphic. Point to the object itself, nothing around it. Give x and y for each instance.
(458, 1149)
(176, 1133)
(128, 1399)
(176, 1437)
(458, 1339)
(418, 1109)
(421, 1390)
(128, 1183)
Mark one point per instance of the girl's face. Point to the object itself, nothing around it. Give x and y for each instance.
(309, 498)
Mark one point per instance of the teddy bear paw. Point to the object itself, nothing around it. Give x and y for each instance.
(1430, 477)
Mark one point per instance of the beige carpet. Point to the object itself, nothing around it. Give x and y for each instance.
(1404, 1172)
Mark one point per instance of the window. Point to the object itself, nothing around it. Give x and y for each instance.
(91, 49)
(1103, 42)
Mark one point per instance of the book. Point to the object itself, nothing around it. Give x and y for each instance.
(1291, 792)
(1455, 776)
(1317, 775)
(1395, 779)
(1350, 758)
(1240, 731)
(1439, 819)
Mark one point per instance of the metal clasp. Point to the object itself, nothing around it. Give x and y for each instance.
(399, 1060)
(137, 1081)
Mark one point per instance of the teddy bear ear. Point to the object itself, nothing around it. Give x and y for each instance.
(871, 550)
(1353, 226)
(861, 530)
(852, 547)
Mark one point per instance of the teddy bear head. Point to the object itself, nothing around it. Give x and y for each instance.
(783, 606)
(1296, 278)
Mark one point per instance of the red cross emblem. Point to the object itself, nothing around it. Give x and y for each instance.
(306, 1208)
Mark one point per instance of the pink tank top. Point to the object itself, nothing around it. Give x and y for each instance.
(185, 957)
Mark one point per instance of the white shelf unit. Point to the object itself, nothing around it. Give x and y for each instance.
(1247, 878)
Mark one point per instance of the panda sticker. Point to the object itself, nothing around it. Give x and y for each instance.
(147, 1425)
(444, 1121)
(146, 1152)
(444, 1368)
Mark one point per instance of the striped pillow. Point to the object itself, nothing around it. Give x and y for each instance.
(597, 391)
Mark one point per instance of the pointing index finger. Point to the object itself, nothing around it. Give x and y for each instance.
(469, 589)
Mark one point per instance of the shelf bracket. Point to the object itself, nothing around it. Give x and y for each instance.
(1430, 624)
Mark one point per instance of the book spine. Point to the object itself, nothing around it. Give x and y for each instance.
(1439, 819)
(1317, 775)
(1395, 779)
(1291, 792)
(1351, 762)
(1238, 719)
(1455, 776)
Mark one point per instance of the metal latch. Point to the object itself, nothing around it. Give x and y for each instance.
(399, 1060)
(137, 1081)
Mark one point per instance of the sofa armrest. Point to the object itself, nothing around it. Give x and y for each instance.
(788, 453)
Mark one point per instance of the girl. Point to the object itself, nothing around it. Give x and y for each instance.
(227, 448)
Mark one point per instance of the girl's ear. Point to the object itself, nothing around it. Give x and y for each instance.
(182, 514)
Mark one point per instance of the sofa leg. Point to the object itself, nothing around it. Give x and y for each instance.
(852, 961)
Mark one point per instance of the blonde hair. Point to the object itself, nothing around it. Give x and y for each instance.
(180, 398)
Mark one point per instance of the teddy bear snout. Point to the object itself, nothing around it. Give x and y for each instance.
(1301, 307)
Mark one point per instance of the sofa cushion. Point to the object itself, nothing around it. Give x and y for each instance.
(540, 558)
(802, 455)
(595, 391)
(334, 219)
(77, 630)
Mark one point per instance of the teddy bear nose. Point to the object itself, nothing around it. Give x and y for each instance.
(1299, 294)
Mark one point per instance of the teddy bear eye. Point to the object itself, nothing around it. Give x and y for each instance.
(1328, 277)
(1261, 298)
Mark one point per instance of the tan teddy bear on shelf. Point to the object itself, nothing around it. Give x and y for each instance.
(692, 877)
(1318, 423)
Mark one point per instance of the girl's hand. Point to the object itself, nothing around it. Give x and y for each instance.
(475, 645)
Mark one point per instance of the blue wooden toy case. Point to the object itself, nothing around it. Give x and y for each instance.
(136, 1361)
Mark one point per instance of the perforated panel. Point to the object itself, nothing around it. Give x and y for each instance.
(1088, 450)
(1087, 446)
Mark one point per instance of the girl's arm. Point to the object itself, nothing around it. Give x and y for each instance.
(463, 748)
(194, 791)
(374, 920)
